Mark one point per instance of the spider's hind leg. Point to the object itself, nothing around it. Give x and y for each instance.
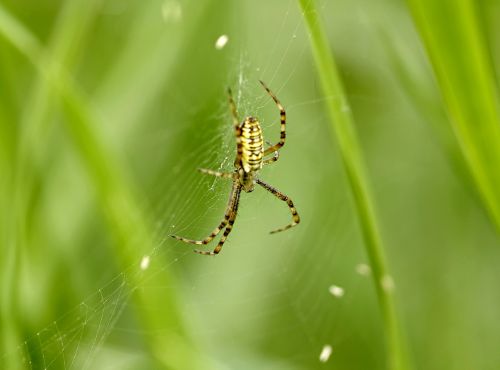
(218, 248)
(208, 239)
(227, 223)
(227, 216)
(233, 212)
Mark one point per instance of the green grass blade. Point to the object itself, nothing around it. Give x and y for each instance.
(72, 23)
(342, 130)
(461, 63)
(160, 314)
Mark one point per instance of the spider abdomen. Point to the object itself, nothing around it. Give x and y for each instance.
(252, 145)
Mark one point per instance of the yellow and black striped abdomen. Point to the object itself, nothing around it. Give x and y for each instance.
(252, 145)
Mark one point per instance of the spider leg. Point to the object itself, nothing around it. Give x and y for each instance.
(229, 227)
(232, 105)
(237, 128)
(227, 216)
(226, 175)
(274, 158)
(218, 248)
(284, 198)
(208, 239)
(280, 143)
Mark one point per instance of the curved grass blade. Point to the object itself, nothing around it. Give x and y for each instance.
(127, 221)
(461, 62)
(342, 131)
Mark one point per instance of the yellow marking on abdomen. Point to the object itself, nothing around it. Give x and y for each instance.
(252, 143)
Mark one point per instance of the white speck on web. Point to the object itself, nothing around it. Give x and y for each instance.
(363, 269)
(171, 11)
(221, 42)
(145, 262)
(326, 352)
(336, 291)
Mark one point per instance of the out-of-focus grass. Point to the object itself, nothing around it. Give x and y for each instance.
(462, 64)
(129, 225)
(27, 175)
(137, 102)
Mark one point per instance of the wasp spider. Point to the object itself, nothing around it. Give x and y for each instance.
(250, 157)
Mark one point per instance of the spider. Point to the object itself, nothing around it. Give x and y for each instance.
(250, 157)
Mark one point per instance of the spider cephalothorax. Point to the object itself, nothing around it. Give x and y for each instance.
(250, 157)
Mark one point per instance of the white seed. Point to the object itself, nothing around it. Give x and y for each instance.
(325, 353)
(145, 262)
(336, 291)
(363, 269)
(388, 283)
(221, 42)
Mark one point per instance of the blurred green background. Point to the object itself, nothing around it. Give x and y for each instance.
(107, 108)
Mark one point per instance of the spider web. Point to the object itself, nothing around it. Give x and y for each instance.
(267, 302)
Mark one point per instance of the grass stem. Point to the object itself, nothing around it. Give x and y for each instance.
(342, 130)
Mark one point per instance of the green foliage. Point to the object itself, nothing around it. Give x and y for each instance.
(108, 107)
(461, 61)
